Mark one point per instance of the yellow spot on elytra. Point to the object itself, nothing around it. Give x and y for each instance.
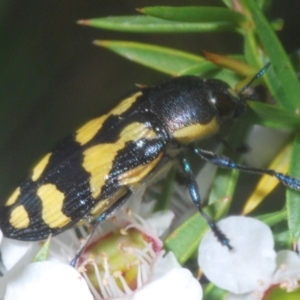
(19, 217)
(90, 129)
(40, 167)
(137, 174)
(99, 208)
(125, 104)
(52, 202)
(13, 197)
(104, 204)
(196, 132)
(98, 160)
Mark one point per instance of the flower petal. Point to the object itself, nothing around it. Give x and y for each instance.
(288, 270)
(13, 251)
(176, 284)
(47, 280)
(161, 221)
(164, 265)
(249, 266)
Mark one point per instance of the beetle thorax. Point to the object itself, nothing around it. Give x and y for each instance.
(183, 107)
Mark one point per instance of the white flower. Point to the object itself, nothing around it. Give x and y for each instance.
(39, 280)
(14, 255)
(48, 280)
(252, 267)
(13, 252)
(170, 281)
(155, 275)
(287, 273)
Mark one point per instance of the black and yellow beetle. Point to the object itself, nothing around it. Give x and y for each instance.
(94, 171)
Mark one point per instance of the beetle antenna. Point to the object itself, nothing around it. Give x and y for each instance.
(258, 75)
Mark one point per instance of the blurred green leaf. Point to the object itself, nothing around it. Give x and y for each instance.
(251, 49)
(282, 238)
(225, 180)
(162, 59)
(231, 63)
(43, 253)
(228, 76)
(278, 293)
(293, 197)
(223, 185)
(263, 5)
(185, 239)
(213, 292)
(284, 74)
(202, 69)
(146, 24)
(272, 116)
(165, 196)
(277, 24)
(228, 3)
(295, 58)
(273, 218)
(199, 14)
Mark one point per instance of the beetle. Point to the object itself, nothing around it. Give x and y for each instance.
(93, 172)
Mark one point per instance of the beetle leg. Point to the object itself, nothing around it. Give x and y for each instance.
(225, 162)
(106, 214)
(194, 192)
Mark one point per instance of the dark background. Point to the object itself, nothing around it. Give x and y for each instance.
(52, 79)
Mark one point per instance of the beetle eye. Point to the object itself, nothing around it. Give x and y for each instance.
(224, 104)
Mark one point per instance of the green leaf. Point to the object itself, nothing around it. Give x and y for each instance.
(224, 185)
(282, 237)
(272, 219)
(228, 76)
(277, 221)
(162, 59)
(213, 292)
(277, 293)
(284, 74)
(277, 24)
(226, 179)
(202, 69)
(263, 5)
(295, 58)
(231, 63)
(228, 3)
(293, 197)
(184, 240)
(43, 253)
(251, 49)
(165, 196)
(272, 116)
(146, 24)
(194, 14)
